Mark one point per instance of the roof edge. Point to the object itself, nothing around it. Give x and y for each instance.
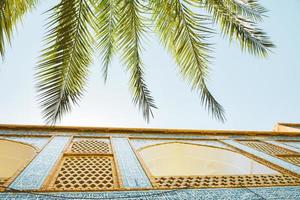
(87, 129)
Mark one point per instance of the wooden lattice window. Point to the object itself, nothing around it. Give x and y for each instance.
(95, 146)
(295, 159)
(267, 148)
(282, 153)
(225, 181)
(85, 173)
(88, 164)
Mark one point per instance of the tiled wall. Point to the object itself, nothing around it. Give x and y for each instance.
(132, 173)
(267, 157)
(274, 193)
(36, 172)
(38, 142)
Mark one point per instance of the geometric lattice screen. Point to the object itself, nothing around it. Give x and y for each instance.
(267, 148)
(90, 146)
(295, 159)
(88, 164)
(85, 173)
(225, 181)
(282, 153)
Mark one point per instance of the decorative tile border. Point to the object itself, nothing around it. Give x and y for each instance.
(36, 172)
(26, 133)
(35, 141)
(293, 144)
(267, 157)
(132, 173)
(282, 193)
(140, 143)
(283, 145)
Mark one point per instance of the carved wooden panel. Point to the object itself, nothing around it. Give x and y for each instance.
(225, 181)
(90, 146)
(85, 173)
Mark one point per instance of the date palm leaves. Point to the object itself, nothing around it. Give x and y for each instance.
(11, 12)
(76, 29)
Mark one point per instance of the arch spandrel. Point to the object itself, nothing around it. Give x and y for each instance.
(14, 156)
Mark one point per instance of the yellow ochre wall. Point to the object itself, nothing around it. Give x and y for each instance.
(13, 157)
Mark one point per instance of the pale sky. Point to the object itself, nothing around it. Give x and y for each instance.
(256, 93)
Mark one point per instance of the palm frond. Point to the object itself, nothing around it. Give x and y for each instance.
(131, 28)
(11, 12)
(251, 38)
(106, 13)
(184, 33)
(250, 9)
(63, 66)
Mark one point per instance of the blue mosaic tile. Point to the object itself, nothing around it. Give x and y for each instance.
(140, 143)
(293, 144)
(277, 161)
(36, 172)
(271, 193)
(132, 173)
(17, 132)
(37, 142)
(283, 145)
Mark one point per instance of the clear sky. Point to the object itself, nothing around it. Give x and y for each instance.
(256, 93)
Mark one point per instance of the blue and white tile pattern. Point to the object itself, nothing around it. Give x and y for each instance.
(271, 193)
(267, 157)
(36, 172)
(132, 173)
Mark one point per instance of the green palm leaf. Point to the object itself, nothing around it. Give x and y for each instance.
(11, 12)
(75, 27)
(251, 38)
(249, 9)
(63, 66)
(107, 13)
(184, 33)
(131, 28)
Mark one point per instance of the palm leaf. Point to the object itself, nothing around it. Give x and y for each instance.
(250, 9)
(251, 38)
(11, 12)
(106, 13)
(184, 33)
(63, 66)
(131, 28)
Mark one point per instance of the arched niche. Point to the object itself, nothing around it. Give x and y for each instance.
(14, 156)
(182, 159)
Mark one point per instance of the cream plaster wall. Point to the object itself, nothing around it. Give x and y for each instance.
(178, 159)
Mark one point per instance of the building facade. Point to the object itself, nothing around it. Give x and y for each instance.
(39, 162)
